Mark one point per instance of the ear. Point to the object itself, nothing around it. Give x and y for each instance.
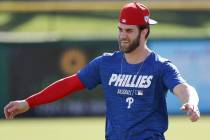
(144, 33)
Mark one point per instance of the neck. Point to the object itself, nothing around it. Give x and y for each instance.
(138, 55)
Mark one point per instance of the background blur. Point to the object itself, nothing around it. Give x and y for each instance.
(44, 40)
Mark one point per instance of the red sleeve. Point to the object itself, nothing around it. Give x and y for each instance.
(57, 90)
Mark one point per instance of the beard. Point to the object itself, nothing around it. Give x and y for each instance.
(131, 45)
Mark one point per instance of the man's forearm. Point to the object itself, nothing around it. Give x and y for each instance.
(186, 93)
(193, 96)
(55, 91)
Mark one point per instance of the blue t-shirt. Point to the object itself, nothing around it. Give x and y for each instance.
(134, 93)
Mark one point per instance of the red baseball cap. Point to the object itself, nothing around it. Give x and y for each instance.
(135, 13)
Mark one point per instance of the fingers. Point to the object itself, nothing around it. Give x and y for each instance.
(6, 112)
(186, 107)
(195, 116)
(10, 116)
(191, 111)
(15, 107)
(10, 110)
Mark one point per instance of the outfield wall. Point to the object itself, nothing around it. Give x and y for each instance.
(26, 68)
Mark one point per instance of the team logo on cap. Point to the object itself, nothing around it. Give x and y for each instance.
(146, 19)
(123, 20)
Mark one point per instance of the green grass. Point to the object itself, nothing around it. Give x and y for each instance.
(71, 26)
(77, 26)
(91, 129)
(4, 18)
(53, 129)
(98, 27)
(180, 128)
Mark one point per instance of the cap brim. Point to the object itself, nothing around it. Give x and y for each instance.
(152, 21)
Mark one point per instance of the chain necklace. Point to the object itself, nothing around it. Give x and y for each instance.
(123, 57)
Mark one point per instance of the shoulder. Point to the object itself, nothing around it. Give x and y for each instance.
(107, 58)
(159, 59)
(163, 63)
(111, 57)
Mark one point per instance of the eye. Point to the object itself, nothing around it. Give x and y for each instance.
(129, 30)
(120, 29)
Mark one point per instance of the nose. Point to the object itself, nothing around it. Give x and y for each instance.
(122, 35)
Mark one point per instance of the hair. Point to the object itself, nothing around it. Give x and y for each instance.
(145, 27)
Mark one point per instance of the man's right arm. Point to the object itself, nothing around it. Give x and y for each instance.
(55, 91)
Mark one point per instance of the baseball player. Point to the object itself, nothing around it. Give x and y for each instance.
(135, 80)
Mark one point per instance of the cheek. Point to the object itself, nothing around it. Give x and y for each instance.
(119, 35)
(122, 35)
(132, 38)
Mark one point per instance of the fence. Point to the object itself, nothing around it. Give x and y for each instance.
(26, 68)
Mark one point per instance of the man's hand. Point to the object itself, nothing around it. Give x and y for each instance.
(14, 108)
(192, 111)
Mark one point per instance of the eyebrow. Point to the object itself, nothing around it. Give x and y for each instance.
(128, 29)
(119, 28)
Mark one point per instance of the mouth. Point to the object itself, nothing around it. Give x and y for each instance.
(124, 42)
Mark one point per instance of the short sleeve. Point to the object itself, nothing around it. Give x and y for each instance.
(90, 74)
(171, 76)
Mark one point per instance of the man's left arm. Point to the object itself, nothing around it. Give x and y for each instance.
(189, 97)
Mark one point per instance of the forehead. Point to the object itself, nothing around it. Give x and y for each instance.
(125, 26)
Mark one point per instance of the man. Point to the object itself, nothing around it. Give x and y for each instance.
(135, 81)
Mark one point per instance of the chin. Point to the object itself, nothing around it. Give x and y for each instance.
(124, 47)
(124, 50)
